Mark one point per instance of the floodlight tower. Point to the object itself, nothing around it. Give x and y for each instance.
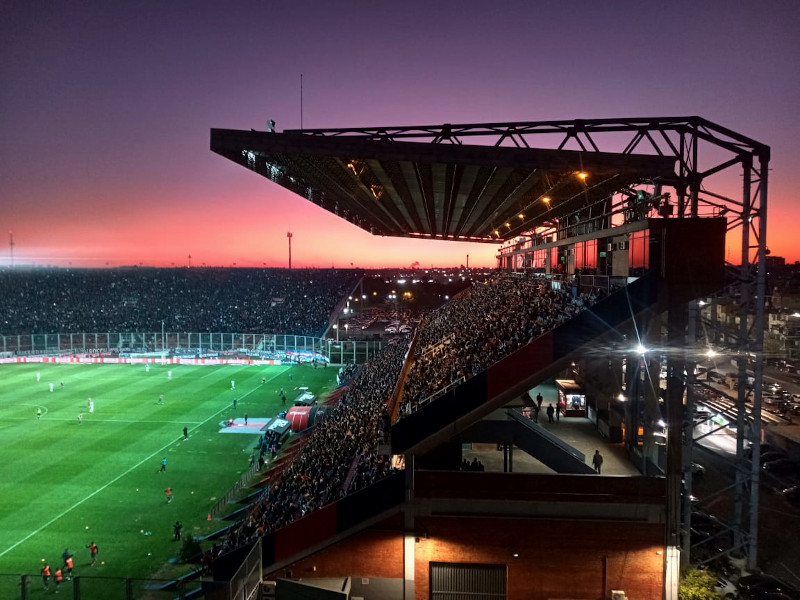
(289, 236)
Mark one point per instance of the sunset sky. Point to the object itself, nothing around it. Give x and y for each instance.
(106, 107)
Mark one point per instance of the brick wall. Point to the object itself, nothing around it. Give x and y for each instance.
(557, 558)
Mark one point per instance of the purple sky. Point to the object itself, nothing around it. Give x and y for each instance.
(105, 109)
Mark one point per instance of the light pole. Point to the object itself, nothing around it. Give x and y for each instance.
(289, 236)
(336, 329)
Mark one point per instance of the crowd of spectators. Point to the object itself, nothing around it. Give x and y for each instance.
(481, 326)
(341, 455)
(198, 299)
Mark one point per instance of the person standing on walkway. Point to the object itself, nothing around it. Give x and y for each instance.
(550, 412)
(597, 461)
(539, 400)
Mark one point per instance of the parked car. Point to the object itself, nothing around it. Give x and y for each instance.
(758, 585)
(763, 449)
(726, 589)
(792, 494)
(768, 595)
(780, 465)
(706, 527)
(773, 455)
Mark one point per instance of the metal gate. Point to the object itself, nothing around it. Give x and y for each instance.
(464, 581)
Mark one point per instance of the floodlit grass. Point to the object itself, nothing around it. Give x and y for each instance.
(65, 484)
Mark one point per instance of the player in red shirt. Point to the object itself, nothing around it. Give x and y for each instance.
(46, 576)
(168, 491)
(93, 551)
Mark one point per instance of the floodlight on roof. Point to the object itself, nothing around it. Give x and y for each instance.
(583, 175)
(641, 350)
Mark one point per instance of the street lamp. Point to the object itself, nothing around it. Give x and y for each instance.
(336, 329)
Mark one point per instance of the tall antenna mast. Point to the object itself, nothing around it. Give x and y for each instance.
(301, 109)
(11, 246)
(289, 235)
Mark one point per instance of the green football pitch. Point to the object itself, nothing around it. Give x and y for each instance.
(65, 483)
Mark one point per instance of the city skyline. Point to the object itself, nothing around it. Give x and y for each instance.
(107, 111)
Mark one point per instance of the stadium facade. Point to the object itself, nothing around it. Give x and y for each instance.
(617, 204)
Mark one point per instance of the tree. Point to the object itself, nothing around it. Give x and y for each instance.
(697, 584)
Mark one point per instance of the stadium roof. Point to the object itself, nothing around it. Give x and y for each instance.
(448, 191)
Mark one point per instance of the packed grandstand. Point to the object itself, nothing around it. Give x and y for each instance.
(491, 318)
(201, 299)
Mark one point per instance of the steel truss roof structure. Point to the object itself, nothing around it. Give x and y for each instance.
(426, 181)
(448, 191)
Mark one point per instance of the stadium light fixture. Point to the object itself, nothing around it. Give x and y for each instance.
(641, 350)
(583, 175)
